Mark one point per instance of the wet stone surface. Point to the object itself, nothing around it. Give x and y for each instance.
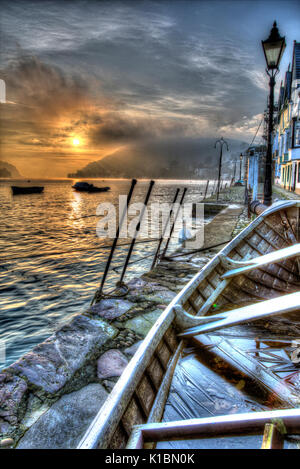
(111, 363)
(143, 323)
(65, 423)
(13, 393)
(111, 309)
(131, 350)
(54, 362)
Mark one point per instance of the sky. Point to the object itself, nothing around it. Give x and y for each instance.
(85, 79)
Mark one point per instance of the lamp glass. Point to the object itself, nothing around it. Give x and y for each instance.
(273, 53)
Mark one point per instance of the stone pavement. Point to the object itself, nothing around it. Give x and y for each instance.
(281, 193)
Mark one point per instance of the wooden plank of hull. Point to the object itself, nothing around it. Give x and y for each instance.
(276, 306)
(161, 397)
(244, 363)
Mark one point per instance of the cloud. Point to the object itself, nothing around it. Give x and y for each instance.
(246, 126)
(116, 73)
(120, 127)
(46, 89)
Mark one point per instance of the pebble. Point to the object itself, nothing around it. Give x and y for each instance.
(6, 442)
(111, 363)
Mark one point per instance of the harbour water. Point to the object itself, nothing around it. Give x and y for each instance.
(51, 258)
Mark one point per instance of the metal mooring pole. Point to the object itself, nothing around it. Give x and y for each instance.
(137, 229)
(173, 226)
(206, 188)
(164, 230)
(114, 244)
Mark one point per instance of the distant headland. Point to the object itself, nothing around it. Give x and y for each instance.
(8, 170)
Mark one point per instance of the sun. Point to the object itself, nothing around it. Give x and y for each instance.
(76, 141)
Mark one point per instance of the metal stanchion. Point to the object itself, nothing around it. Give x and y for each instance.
(114, 244)
(206, 188)
(138, 226)
(173, 226)
(164, 230)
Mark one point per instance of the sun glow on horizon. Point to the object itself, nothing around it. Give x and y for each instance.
(76, 141)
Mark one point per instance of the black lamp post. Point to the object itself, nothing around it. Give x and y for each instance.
(241, 160)
(222, 142)
(273, 49)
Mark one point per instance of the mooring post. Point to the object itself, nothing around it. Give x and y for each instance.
(249, 201)
(174, 221)
(214, 187)
(164, 230)
(137, 229)
(206, 188)
(114, 244)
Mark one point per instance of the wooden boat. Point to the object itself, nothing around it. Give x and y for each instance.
(254, 281)
(86, 187)
(27, 190)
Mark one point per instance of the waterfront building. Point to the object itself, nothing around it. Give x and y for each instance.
(286, 144)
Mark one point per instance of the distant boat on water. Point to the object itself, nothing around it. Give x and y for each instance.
(86, 187)
(27, 190)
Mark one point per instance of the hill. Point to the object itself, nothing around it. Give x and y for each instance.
(178, 159)
(8, 170)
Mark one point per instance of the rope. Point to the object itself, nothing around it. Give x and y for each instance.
(197, 250)
(133, 262)
(55, 253)
(255, 133)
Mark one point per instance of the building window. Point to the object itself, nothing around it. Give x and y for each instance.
(297, 134)
(286, 144)
(280, 147)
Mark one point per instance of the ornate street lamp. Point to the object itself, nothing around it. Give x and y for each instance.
(241, 161)
(222, 142)
(273, 49)
(234, 172)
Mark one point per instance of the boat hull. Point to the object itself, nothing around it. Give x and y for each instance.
(17, 190)
(91, 189)
(208, 293)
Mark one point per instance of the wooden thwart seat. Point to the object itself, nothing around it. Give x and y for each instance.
(271, 258)
(276, 306)
(217, 426)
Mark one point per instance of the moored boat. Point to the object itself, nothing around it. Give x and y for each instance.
(86, 187)
(249, 290)
(27, 190)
